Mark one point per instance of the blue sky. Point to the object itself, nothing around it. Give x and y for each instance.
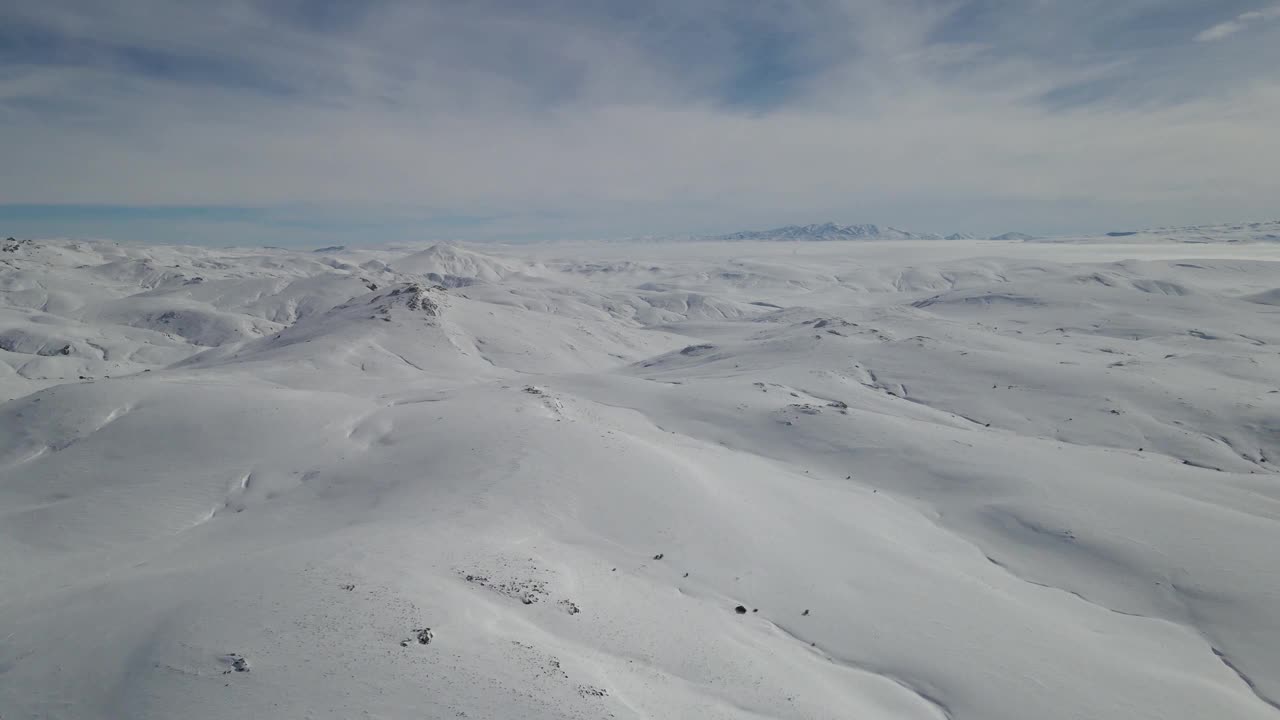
(307, 122)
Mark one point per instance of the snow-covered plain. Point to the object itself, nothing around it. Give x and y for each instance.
(951, 479)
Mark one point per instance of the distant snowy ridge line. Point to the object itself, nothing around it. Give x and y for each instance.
(830, 231)
(1267, 231)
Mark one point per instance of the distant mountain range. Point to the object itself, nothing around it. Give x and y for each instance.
(1268, 231)
(831, 231)
(828, 231)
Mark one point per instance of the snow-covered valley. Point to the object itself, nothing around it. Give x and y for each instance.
(963, 479)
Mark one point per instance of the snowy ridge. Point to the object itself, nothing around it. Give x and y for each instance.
(703, 479)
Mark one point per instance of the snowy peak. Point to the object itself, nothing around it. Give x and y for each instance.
(399, 303)
(828, 231)
(393, 330)
(395, 300)
(410, 296)
(453, 266)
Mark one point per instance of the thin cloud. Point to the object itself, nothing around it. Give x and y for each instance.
(1240, 22)
(584, 117)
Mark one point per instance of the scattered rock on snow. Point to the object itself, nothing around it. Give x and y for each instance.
(528, 590)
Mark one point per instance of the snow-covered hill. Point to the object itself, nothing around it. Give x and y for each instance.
(450, 264)
(986, 481)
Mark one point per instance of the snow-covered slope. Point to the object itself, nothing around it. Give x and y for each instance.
(906, 479)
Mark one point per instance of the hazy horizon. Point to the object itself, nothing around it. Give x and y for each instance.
(230, 227)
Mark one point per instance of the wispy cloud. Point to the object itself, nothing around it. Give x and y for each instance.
(1238, 23)
(583, 117)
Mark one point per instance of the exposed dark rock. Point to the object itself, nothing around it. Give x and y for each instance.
(697, 349)
(424, 636)
(237, 662)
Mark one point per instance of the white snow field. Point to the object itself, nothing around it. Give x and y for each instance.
(958, 479)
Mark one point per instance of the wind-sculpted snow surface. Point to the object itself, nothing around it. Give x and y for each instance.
(875, 479)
